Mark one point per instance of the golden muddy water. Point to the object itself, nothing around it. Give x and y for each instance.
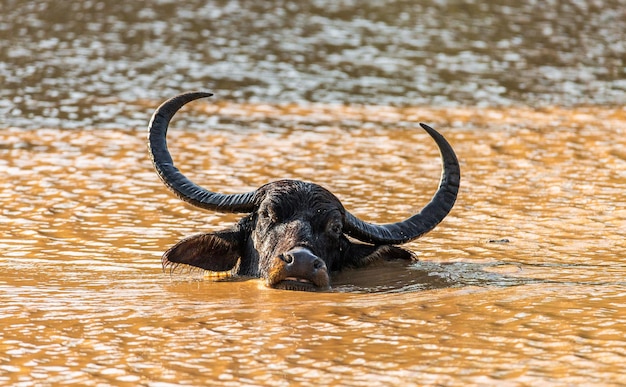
(524, 284)
(83, 299)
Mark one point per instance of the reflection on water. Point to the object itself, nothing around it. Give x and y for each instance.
(523, 284)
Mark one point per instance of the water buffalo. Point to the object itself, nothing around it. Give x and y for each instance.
(295, 233)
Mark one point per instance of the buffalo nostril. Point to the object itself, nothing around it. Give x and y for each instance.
(287, 258)
(318, 264)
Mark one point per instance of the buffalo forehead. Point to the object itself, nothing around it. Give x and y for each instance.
(305, 198)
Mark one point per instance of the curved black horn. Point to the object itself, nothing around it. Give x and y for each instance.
(171, 176)
(418, 224)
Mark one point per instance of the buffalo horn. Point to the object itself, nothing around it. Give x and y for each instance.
(173, 178)
(418, 224)
(392, 233)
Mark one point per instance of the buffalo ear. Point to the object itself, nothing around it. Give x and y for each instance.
(218, 251)
(362, 254)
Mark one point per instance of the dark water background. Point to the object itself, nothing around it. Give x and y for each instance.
(88, 63)
(523, 284)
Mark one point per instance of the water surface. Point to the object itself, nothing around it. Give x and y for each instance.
(523, 284)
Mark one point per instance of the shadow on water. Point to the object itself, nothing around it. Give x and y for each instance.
(405, 277)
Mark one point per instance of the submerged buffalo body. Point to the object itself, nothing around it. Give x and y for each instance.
(295, 233)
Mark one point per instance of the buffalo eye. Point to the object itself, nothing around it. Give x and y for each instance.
(268, 214)
(335, 227)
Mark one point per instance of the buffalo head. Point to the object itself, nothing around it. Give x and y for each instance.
(295, 233)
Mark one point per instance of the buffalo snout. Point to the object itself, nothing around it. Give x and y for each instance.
(299, 269)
